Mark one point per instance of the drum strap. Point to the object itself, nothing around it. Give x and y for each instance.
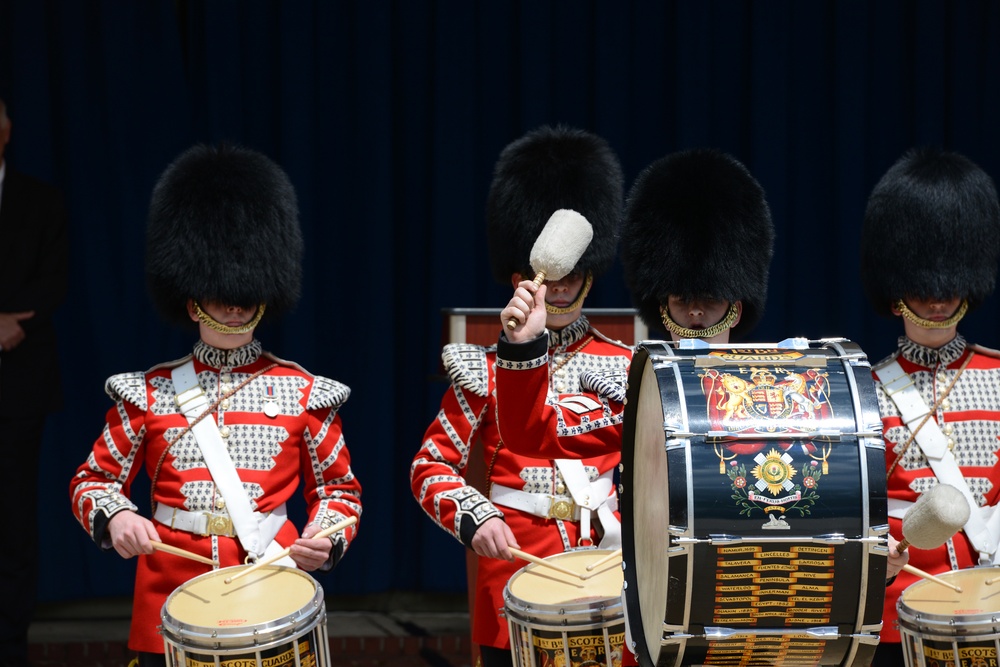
(192, 401)
(899, 386)
(592, 496)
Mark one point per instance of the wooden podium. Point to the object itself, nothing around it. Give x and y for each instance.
(481, 326)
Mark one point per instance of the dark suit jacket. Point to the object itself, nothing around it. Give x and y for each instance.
(34, 268)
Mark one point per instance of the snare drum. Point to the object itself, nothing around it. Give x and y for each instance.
(272, 617)
(939, 626)
(753, 502)
(560, 620)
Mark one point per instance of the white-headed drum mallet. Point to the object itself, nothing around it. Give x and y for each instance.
(938, 514)
(558, 248)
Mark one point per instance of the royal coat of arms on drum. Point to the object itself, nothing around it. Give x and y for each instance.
(777, 479)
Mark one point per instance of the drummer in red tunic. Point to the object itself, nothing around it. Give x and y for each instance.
(696, 246)
(528, 502)
(929, 251)
(229, 432)
(685, 214)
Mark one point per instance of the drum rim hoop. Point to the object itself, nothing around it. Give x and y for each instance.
(535, 616)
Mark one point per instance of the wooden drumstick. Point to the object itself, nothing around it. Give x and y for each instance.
(540, 561)
(326, 532)
(607, 559)
(930, 577)
(160, 546)
(558, 248)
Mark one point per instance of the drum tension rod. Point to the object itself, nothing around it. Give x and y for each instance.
(825, 435)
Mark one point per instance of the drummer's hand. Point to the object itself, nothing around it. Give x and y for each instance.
(310, 554)
(493, 539)
(131, 533)
(527, 309)
(896, 560)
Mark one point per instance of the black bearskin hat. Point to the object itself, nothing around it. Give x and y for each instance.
(697, 224)
(223, 226)
(931, 229)
(546, 170)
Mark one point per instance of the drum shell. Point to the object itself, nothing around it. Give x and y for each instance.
(700, 494)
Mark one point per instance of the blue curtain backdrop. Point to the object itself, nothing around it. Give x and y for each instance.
(388, 117)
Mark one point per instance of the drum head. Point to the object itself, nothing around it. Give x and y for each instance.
(537, 586)
(650, 510)
(930, 600)
(263, 604)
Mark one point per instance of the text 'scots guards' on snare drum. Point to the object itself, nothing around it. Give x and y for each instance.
(272, 617)
(753, 504)
(559, 619)
(941, 627)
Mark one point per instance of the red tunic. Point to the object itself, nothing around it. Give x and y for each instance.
(468, 414)
(564, 425)
(534, 422)
(302, 441)
(970, 416)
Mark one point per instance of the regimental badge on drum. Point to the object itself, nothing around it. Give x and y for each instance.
(747, 402)
(775, 485)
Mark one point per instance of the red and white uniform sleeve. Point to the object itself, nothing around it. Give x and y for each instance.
(100, 488)
(534, 422)
(437, 474)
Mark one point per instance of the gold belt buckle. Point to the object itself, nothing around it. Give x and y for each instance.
(219, 524)
(561, 509)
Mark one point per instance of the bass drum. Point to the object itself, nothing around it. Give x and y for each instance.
(753, 500)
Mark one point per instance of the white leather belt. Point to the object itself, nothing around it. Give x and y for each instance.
(217, 523)
(544, 505)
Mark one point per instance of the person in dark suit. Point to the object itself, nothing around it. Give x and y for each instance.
(34, 266)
